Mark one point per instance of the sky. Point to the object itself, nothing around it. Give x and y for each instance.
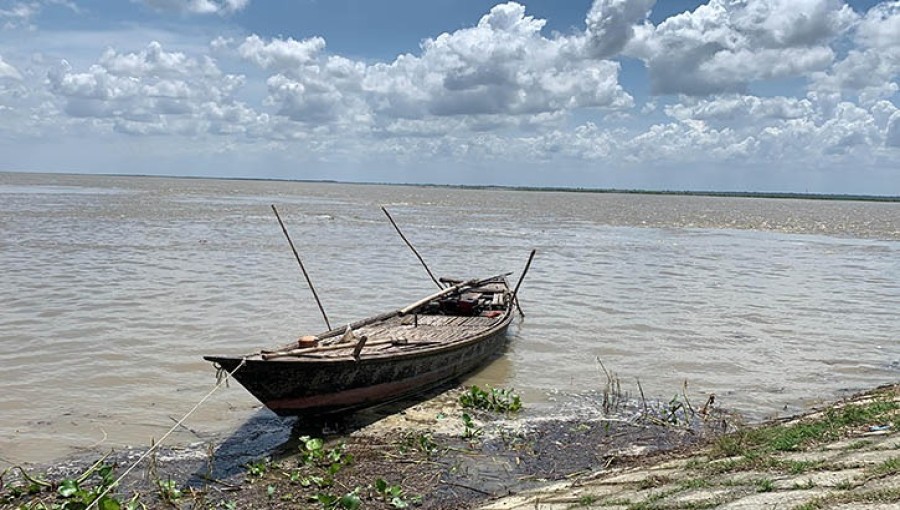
(724, 95)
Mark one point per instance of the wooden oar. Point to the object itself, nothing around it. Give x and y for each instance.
(305, 274)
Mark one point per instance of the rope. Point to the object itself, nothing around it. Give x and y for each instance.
(156, 445)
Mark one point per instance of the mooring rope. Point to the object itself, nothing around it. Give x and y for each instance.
(155, 446)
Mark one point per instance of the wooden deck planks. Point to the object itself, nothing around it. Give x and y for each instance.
(429, 329)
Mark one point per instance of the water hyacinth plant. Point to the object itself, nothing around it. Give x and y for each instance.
(496, 400)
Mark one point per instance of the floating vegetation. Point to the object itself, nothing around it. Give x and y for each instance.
(89, 489)
(415, 462)
(470, 429)
(422, 442)
(495, 400)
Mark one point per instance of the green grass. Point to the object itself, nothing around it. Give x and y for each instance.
(653, 481)
(859, 445)
(886, 468)
(784, 438)
(694, 483)
(798, 467)
(879, 496)
(752, 461)
(845, 485)
(809, 484)
(617, 502)
(765, 485)
(587, 500)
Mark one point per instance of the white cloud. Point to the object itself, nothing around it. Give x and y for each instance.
(892, 137)
(154, 62)
(497, 94)
(281, 55)
(501, 66)
(18, 14)
(21, 13)
(781, 129)
(851, 126)
(154, 92)
(221, 7)
(743, 131)
(872, 67)
(610, 24)
(8, 71)
(880, 27)
(741, 109)
(328, 94)
(724, 45)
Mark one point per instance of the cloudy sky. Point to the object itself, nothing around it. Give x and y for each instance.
(761, 95)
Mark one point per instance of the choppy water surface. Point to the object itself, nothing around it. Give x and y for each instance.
(113, 288)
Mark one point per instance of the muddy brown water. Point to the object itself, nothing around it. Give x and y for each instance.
(113, 288)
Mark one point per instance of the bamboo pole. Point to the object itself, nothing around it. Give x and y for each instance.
(435, 280)
(449, 290)
(302, 268)
(442, 293)
(515, 293)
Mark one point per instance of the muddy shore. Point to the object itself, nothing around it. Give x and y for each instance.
(432, 455)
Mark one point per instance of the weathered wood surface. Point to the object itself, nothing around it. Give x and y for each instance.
(405, 352)
(430, 330)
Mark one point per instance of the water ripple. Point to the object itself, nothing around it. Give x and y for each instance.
(114, 288)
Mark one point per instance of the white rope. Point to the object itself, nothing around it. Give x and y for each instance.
(155, 446)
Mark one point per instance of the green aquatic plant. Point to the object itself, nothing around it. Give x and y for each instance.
(92, 487)
(349, 501)
(423, 442)
(258, 468)
(169, 490)
(312, 450)
(470, 429)
(496, 400)
(392, 494)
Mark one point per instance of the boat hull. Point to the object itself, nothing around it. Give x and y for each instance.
(313, 387)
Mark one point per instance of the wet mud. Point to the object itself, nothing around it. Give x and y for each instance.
(435, 457)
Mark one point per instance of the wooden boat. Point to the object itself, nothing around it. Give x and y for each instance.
(383, 358)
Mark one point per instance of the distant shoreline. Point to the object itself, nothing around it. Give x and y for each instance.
(496, 187)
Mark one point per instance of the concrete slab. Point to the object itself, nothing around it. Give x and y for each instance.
(779, 499)
(812, 456)
(820, 479)
(718, 495)
(866, 506)
(868, 458)
(639, 476)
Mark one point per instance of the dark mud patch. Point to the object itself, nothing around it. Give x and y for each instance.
(424, 456)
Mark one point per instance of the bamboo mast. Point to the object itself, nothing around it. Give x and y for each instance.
(516, 291)
(435, 280)
(302, 268)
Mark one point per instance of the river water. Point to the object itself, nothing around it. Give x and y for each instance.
(113, 288)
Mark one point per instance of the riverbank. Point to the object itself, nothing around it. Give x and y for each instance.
(846, 456)
(437, 454)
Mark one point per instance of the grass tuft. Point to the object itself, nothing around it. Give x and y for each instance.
(796, 436)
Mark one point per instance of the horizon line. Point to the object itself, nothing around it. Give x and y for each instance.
(507, 187)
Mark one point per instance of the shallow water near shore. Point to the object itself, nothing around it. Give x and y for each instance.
(114, 287)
